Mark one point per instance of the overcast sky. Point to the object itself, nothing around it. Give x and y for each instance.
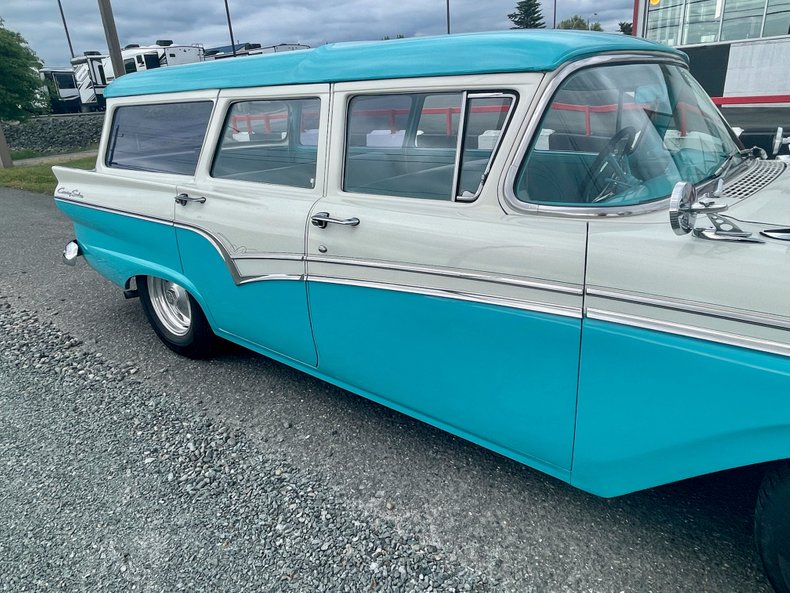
(269, 22)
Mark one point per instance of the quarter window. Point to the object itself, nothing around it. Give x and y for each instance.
(273, 141)
(408, 144)
(163, 138)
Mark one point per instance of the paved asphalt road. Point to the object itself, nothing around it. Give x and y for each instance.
(518, 528)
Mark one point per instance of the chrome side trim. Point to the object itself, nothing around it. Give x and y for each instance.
(691, 332)
(273, 256)
(536, 284)
(217, 244)
(686, 306)
(238, 278)
(268, 277)
(116, 211)
(535, 307)
(546, 94)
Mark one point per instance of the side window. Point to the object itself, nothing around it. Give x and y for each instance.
(407, 145)
(163, 138)
(272, 141)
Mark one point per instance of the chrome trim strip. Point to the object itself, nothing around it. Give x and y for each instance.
(546, 94)
(691, 332)
(267, 277)
(217, 244)
(283, 257)
(532, 306)
(459, 146)
(163, 221)
(683, 305)
(536, 284)
(238, 278)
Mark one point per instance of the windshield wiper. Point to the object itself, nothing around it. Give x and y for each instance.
(750, 153)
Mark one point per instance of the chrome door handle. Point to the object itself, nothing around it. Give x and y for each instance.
(321, 219)
(184, 199)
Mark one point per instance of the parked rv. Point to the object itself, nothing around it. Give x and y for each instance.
(93, 71)
(61, 86)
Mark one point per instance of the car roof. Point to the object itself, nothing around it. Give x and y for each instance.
(533, 50)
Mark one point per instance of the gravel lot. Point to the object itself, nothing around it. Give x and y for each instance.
(125, 467)
(110, 484)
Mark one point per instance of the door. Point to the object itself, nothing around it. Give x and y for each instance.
(241, 225)
(456, 313)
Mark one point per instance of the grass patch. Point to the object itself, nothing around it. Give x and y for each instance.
(39, 178)
(25, 153)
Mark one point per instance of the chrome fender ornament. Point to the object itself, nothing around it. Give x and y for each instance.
(684, 206)
(682, 217)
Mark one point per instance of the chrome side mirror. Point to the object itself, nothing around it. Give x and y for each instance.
(684, 206)
(779, 141)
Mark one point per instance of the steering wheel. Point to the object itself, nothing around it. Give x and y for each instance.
(612, 163)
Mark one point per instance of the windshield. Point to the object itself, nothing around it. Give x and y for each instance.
(624, 134)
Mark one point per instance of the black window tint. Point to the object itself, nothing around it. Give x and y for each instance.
(272, 141)
(162, 138)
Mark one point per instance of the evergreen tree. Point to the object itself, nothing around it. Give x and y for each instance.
(626, 28)
(580, 23)
(528, 15)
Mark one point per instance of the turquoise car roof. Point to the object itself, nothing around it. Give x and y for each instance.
(531, 50)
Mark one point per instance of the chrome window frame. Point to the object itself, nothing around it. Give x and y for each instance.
(548, 90)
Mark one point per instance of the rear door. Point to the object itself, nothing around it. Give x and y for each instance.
(241, 225)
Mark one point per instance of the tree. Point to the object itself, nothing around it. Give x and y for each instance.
(20, 85)
(528, 15)
(626, 28)
(580, 23)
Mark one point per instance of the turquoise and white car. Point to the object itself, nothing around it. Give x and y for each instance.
(548, 243)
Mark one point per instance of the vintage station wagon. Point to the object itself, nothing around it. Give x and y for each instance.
(548, 243)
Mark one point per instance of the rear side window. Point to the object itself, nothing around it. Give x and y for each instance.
(163, 138)
(272, 141)
(408, 144)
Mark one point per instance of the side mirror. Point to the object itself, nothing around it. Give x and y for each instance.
(684, 206)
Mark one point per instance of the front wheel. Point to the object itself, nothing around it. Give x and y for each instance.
(176, 317)
(772, 526)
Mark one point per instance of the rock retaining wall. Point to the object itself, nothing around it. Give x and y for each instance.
(55, 134)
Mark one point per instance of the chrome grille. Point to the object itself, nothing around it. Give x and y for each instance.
(760, 174)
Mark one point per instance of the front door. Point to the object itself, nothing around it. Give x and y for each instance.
(456, 313)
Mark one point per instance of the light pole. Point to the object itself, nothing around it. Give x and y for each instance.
(589, 21)
(448, 16)
(230, 29)
(111, 33)
(68, 37)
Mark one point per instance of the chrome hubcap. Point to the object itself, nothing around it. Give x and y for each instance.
(171, 304)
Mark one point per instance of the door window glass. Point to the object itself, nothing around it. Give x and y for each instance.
(407, 145)
(273, 141)
(163, 138)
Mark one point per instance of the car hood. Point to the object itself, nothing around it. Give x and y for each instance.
(762, 194)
